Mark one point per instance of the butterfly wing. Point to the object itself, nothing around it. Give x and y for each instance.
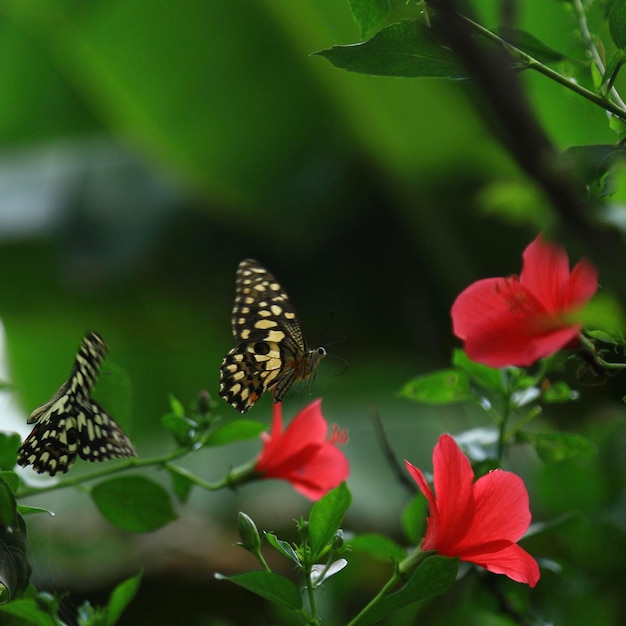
(271, 350)
(72, 422)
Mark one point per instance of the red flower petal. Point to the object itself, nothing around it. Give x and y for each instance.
(511, 561)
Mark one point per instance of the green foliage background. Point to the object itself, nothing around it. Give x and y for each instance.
(148, 146)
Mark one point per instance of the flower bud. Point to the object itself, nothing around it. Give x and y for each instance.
(250, 539)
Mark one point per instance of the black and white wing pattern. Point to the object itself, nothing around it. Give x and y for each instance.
(72, 422)
(271, 351)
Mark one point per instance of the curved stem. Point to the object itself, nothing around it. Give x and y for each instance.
(617, 108)
(592, 48)
(389, 585)
(233, 478)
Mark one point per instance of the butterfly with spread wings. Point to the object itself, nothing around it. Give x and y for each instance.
(72, 423)
(271, 350)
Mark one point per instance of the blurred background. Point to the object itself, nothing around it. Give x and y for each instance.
(146, 147)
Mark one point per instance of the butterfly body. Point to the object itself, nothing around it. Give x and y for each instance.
(271, 351)
(71, 423)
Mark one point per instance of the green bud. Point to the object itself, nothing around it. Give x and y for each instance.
(250, 539)
(337, 542)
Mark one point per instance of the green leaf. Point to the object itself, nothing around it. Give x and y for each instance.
(176, 406)
(531, 45)
(121, 597)
(283, 547)
(133, 503)
(234, 431)
(414, 518)
(30, 611)
(7, 506)
(559, 391)
(22, 509)
(483, 375)
(9, 445)
(435, 575)
(407, 48)
(378, 546)
(181, 428)
(553, 447)
(326, 518)
(369, 14)
(11, 479)
(182, 482)
(15, 568)
(617, 23)
(272, 587)
(442, 387)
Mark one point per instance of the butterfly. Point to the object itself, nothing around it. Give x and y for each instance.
(271, 350)
(72, 422)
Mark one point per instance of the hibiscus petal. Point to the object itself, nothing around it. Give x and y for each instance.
(475, 302)
(546, 273)
(501, 510)
(324, 472)
(504, 340)
(583, 284)
(453, 480)
(511, 561)
(432, 528)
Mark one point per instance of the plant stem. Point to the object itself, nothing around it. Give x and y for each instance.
(233, 478)
(592, 48)
(389, 585)
(617, 108)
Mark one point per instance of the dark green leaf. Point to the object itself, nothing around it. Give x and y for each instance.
(272, 587)
(283, 547)
(9, 444)
(133, 503)
(369, 14)
(414, 519)
(531, 45)
(590, 163)
(407, 48)
(121, 598)
(7, 505)
(235, 431)
(435, 575)
(182, 482)
(181, 428)
(553, 447)
(483, 375)
(617, 23)
(326, 518)
(14, 565)
(442, 387)
(378, 546)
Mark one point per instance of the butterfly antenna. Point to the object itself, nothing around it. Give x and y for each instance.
(390, 456)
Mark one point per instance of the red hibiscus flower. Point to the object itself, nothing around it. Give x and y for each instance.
(516, 321)
(477, 522)
(303, 454)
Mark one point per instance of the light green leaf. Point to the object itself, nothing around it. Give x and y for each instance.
(121, 598)
(378, 546)
(442, 387)
(407, 48)
(369, 14)
(234, 431)
(552, 447)
(283, 547)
